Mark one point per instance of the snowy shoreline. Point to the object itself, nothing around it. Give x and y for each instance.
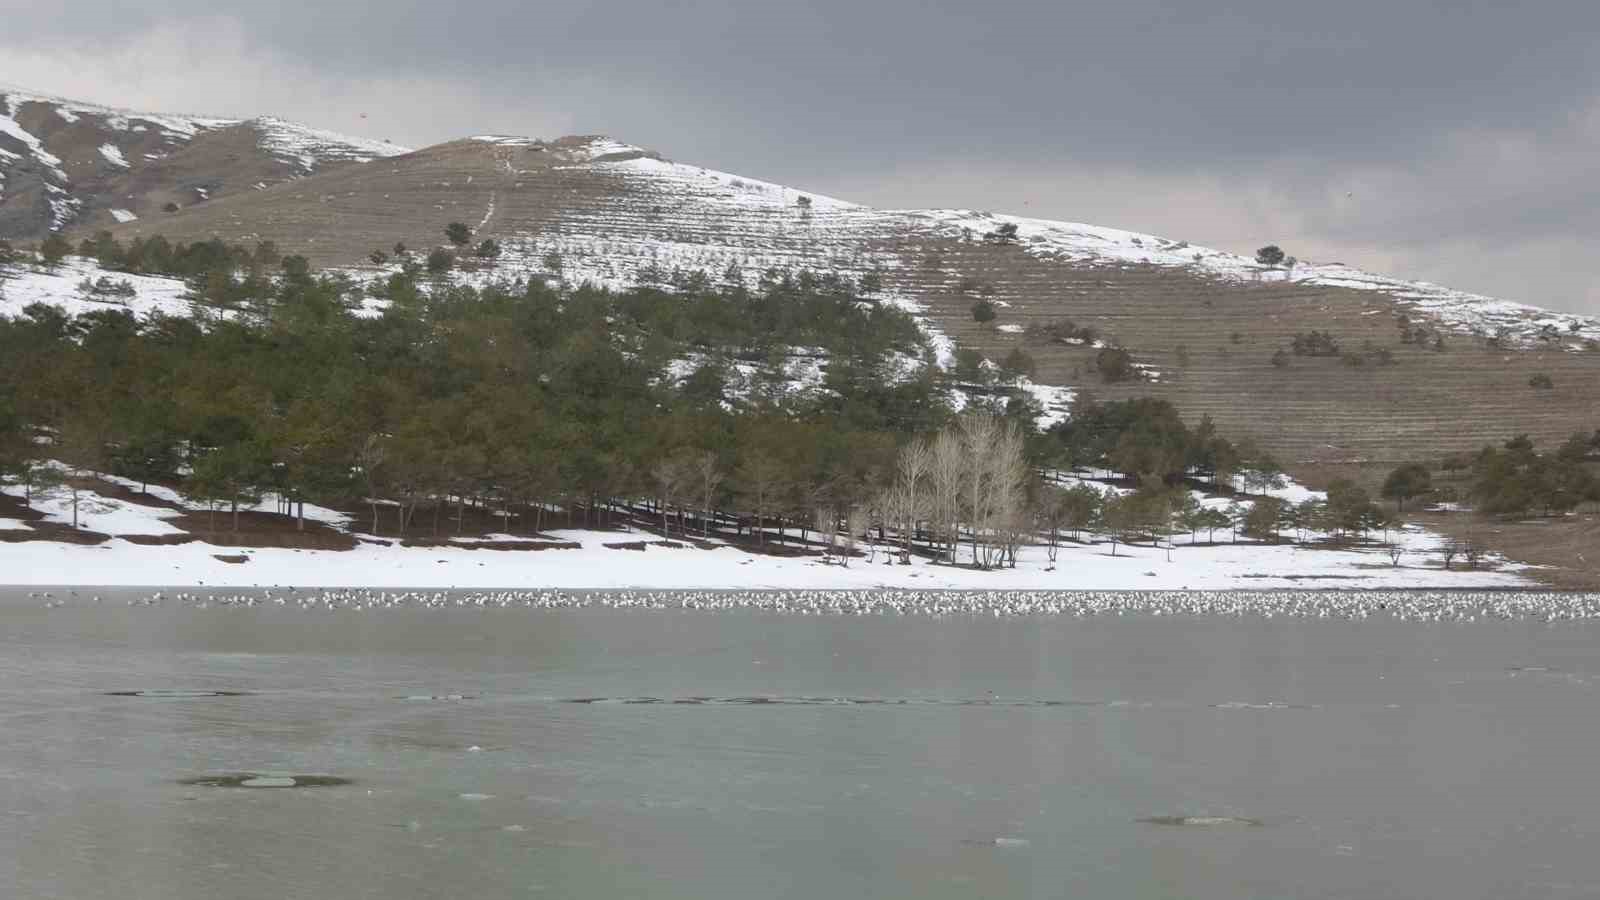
(134, 555)
(593, 566)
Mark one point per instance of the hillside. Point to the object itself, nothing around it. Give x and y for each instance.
(65, 164)
(1203, 324)
(1419, 370)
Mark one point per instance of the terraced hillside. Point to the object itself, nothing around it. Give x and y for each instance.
(65, 164)
(1204, 324)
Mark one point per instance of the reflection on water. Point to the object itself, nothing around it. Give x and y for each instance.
(178, 752)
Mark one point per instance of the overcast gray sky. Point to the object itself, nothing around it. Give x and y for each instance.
(1449, 141)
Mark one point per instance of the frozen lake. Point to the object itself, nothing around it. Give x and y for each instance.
(169, 752)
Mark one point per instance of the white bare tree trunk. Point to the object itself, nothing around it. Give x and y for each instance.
(710, 479)
(916, 462)
(980, 435)
(947, 467)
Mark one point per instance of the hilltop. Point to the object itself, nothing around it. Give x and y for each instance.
(71, 165)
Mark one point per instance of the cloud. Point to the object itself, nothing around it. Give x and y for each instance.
(212, 67)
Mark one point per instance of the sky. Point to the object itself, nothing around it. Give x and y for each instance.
(1445, 140)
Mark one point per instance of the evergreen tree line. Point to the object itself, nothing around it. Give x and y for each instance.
(1510, 480)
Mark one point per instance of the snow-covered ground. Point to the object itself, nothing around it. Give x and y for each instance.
(21, 286)
(593, 565)
(1242, 566)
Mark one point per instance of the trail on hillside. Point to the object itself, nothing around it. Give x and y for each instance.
(487, 213)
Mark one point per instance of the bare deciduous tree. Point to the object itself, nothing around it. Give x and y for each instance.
(370, 459)
(856, 524)
(947, 469)
(709, 475)
(911, 476)
(670, 478)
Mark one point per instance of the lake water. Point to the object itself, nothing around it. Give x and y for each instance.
(604, 753)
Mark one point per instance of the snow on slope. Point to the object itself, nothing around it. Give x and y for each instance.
(756, 225)
(62, 206)
(113, 155)
(21, 286)
(174, 128)
(836, 230)
(309, 147)
(1078, 243)
(296, 145)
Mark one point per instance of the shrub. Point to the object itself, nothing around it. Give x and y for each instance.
(458, 233)
(1115, 364)
(54, 249)
(969, 364)
(1270, 255)
(1061, 331)
(1002, 234)
(1261, 522)
(1017, 364)
(983, 312)
(1541, 382)
(1280, 359)
(1315, 343)
(1407, 481)
(440, 261)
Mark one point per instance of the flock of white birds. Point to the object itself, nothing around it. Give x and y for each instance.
(1417, 605)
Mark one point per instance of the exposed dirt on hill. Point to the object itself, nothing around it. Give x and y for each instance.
(87, 167)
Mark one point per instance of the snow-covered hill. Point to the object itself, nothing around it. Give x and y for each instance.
(65, 163)
(663, 216)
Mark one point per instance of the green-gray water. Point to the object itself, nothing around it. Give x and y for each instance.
(607, 753)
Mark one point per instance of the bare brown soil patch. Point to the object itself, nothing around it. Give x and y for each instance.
(260, 529)
(494, 545)
(1567, 548)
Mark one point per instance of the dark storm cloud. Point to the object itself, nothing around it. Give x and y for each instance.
(1240, 105)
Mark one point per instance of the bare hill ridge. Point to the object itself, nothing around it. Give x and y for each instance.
(65, 164)
(1204, 324)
